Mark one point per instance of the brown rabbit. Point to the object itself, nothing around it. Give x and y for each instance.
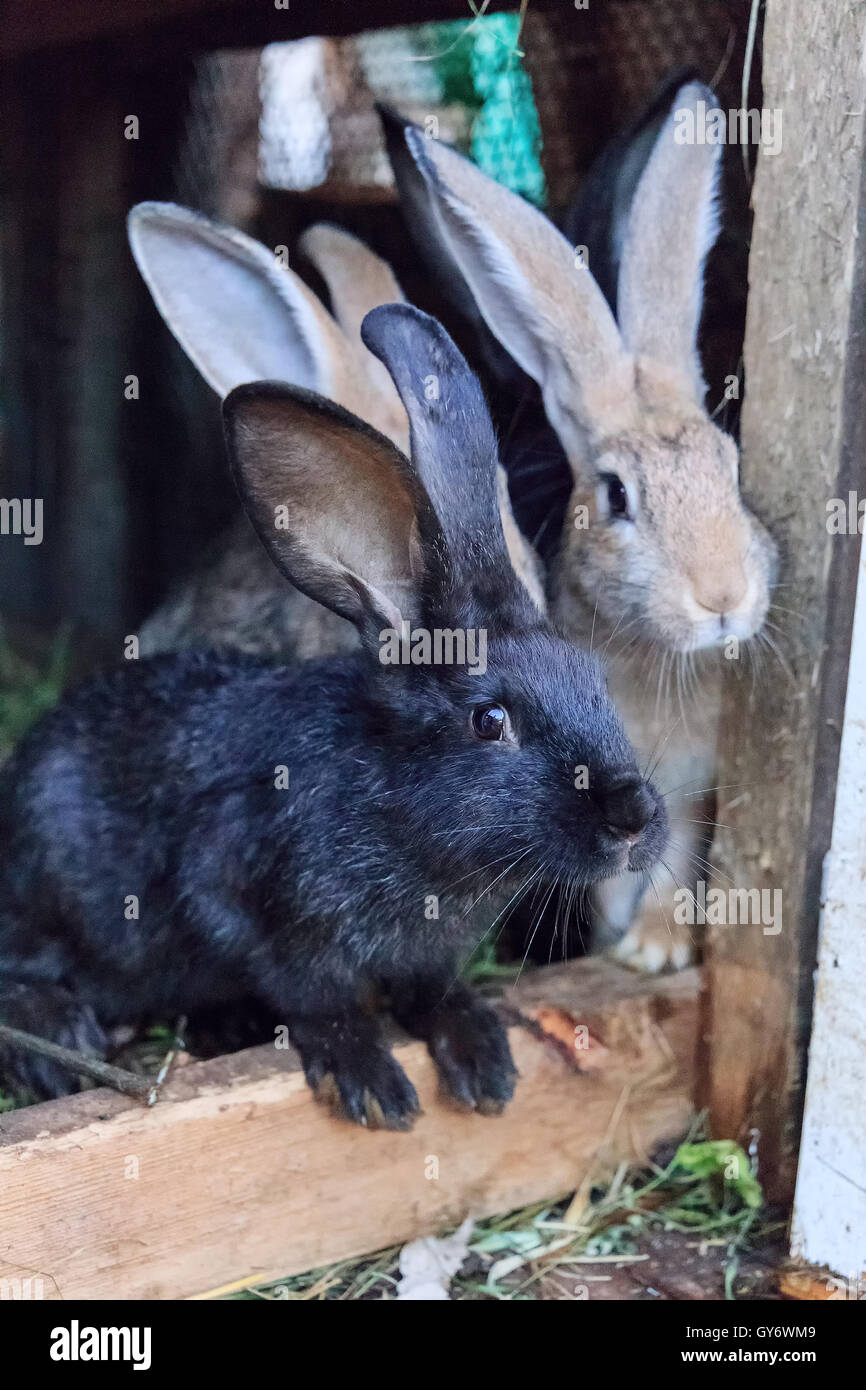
(241, 316)
(661, 565)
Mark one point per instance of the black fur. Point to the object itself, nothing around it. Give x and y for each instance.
(158, 782)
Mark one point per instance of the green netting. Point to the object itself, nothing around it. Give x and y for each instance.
(480, 66)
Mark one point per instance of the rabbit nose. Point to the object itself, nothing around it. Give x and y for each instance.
(719, 593)
(627, 805)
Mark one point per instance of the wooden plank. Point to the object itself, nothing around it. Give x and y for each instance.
(214, 23)
(803, 443)
(238, 1175)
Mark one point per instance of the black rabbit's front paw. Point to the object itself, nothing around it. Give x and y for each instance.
(469, 1045)
(348, 1069)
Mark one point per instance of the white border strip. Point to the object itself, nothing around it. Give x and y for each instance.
(829, 1225)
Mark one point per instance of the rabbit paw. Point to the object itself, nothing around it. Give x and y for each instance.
(469, 1046)
(653, 945)
(356, 1077)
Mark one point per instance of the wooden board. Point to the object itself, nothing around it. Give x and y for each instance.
(215, 23)
(238, 1175)
(803, 443)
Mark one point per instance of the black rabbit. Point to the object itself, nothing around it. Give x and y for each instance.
(199, 827)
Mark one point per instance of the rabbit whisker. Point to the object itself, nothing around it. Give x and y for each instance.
(648, 771)
(505, 913)
(722, 786)
(477, 829)
(770, 642)
(537, 924)
(473, 873)
(594, 616)
(682, 886)
(659, 901)
(703, 866)
(498, 879)
(692, 820)
(778, 608)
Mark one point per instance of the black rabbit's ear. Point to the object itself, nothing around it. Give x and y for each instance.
(454, 449)
(333, 501)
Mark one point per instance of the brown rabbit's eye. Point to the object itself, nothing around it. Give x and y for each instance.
(617, 497)
(489, 721)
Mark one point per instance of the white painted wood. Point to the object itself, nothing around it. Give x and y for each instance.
(830, 1205)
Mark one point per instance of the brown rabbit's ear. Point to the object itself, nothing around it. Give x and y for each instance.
(357, 281)
(672, 223)
(238, 314)
(356, 277)
(332, 500)
(532, 291)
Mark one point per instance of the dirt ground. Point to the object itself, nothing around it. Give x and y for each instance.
(670, 1267)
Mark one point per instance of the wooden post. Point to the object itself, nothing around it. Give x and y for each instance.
(802, 445)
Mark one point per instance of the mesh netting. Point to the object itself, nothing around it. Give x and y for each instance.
(646, 38)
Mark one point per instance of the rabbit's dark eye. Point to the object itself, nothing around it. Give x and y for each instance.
(617, 497)
(489, 722)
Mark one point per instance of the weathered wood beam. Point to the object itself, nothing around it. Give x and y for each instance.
(238, 1175)
(215, 23)
(803, 443)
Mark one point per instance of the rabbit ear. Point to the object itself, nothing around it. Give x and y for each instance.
(333, 501)
(357, 281)
(672, 223)
(453, 444)
(235, 311)
(597, 216)
(419, 206)
(533, 293)
(356, 277)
